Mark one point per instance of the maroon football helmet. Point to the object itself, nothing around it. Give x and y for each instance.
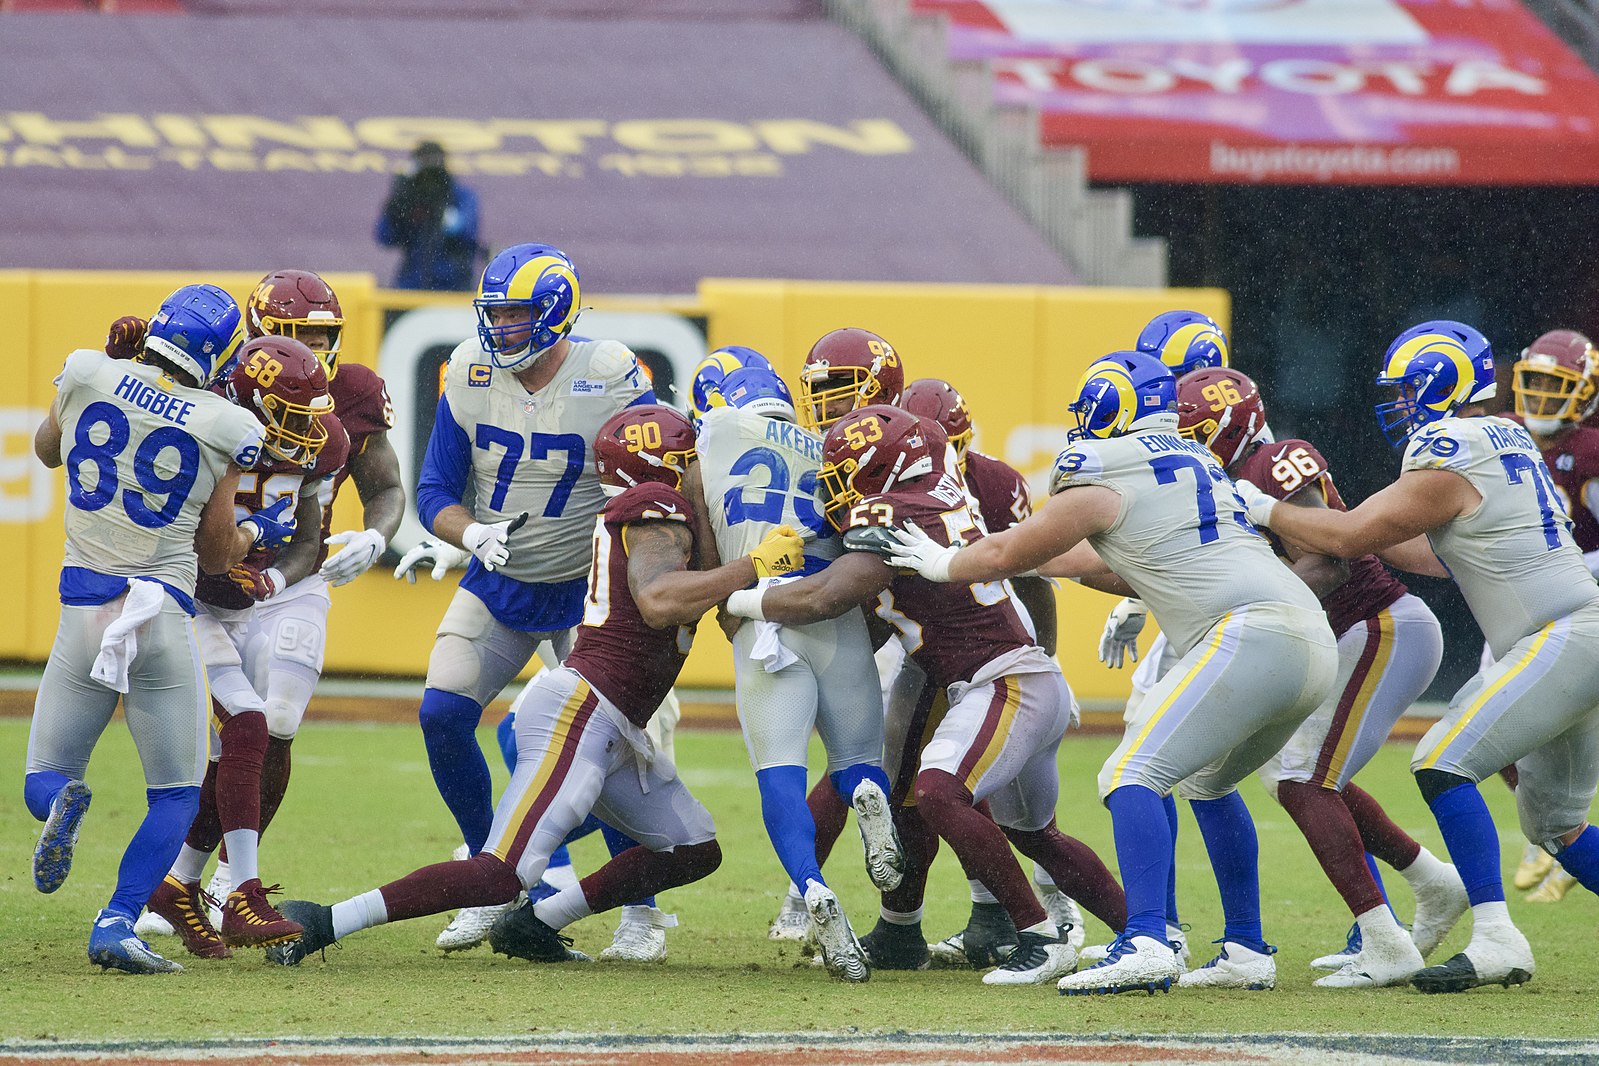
(1221, 409)
(300, 305)
(1553, 381)
(645, 442)
(846, 370)
(282, 383)
(872, 450)
(937, 400)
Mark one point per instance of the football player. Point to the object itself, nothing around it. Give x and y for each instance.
(1389, 648)
(1256, 653)
(581, 744)
(152, 463)
(1008, 704)
(280, 382)
(758, 470)
(1474, 501)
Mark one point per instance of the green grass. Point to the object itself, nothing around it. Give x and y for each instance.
(363, 811)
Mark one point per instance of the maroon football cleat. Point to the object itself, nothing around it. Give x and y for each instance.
(249, 921)
(186, 907)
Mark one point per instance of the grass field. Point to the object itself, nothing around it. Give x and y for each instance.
(363, 811)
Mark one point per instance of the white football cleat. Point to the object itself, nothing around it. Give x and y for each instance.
(793, 922)
(841, 952)
(471, 925)
(1132, 964)
(1035, 960)
(151, 924)
(1343, 957)
(885, 857)
(1176, 936)
(1440, 903)
(640, 935)
(1387, 957)
(1066, 915)
(1235, 966)
(1498, 956)
(219, 888)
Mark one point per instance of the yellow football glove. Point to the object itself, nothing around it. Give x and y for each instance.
(782, 552)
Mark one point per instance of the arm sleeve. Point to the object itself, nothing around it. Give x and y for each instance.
(445, 467)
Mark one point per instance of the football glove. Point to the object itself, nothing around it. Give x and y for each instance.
(921, 553)
(1257, 504)
(271, 527)
(1120, 639)
(361, 550)
(439, 554)
(261, 584)
(487, 542)
(782, 552)
(125, 339)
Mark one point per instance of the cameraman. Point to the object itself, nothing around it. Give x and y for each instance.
(433, 220)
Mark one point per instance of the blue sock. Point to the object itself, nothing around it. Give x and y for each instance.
(847, 780)
(586, 827)
(449, 724)
(1171, 879)
(1581, 859)
(1376, 875)
(1234, 853)
(505, 733)
(619, 842)
(1473, 843)
(789, 823)
(558, 858)
(1143, 851)
(153, 847)
(40, 789)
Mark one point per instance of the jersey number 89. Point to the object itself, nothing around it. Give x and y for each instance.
(172, 488)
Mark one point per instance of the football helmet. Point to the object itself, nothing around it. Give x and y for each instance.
(298, 304)
(1553, 381)
(872, 450)
(282, 383)
(1121, 393)
(848, 366)
(1185, 341)
(1222, 410)
(1438, 367)
(196, 330)
(705, 391)
(937, 400)
(536, 277)
(642, 443)
(759, 389)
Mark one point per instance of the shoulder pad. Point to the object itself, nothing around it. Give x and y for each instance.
(336, 452)
(467, 354)
(1078, 461)
(875, 539)
(647, 503)
(1283, 468)
(612, 359)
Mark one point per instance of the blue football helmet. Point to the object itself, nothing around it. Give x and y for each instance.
(196, 329)
(759, 389)
(706, 391)
(1438, 367)
(539, 278)
(1121, 393)
(1184, 341)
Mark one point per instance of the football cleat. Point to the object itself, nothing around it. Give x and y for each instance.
(1035, 960)
(470, 926)
(315, 920)
(182, 907)
(793, 922)
(885, 857)
(52, 857)
(1498, 957)
(1066, 915)
(217, 889)
(1388, 958)
(1132, 964)
(988, 940)
(1235, 966)
(896, 947)
(1440, 903)
(640, 935)
(1176, 936)
(1535, 864)
(1553, 888)
(114, 946)
(1339, 959)
(249, 921)
(841, 952)
(519, 934)
(151, 924)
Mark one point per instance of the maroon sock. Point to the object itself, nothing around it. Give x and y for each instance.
(918, 731)
(639, 873)
(274, 778)
(1330, 830)
(983, 851)
(1385, 840)
(481, 881)
(244, 743)
(1077, 871)
(920, 844)
(205, 832)
(828, 810)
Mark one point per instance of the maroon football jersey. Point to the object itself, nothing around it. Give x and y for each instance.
(362, 403)
(951, 630)
(1573, 461)
(1282, 469)
(617, 652)
(270, 480)
(1001, 493)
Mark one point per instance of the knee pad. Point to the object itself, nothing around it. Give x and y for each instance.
(283, 718)
(1434, 783)
(455, 666)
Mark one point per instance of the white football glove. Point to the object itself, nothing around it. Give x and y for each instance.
(440, 555)
(917, 551)
(1120, 639)
(487, 542)
(1257, 504)
(361, 550)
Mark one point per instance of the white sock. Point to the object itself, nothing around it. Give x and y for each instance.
(1425, 867)
(1489, 917)
(1042, 879)
(980, 893)
(795, 894)
(242, 846)
(1378, 925)
(902, 917)
(190, 865)
(562, 909)
(359, 912)
(560, 878)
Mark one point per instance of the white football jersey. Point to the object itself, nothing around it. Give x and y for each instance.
(533, 452)
(760, 473)
(1181, 538)
(142, 456)
(1513, 557)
